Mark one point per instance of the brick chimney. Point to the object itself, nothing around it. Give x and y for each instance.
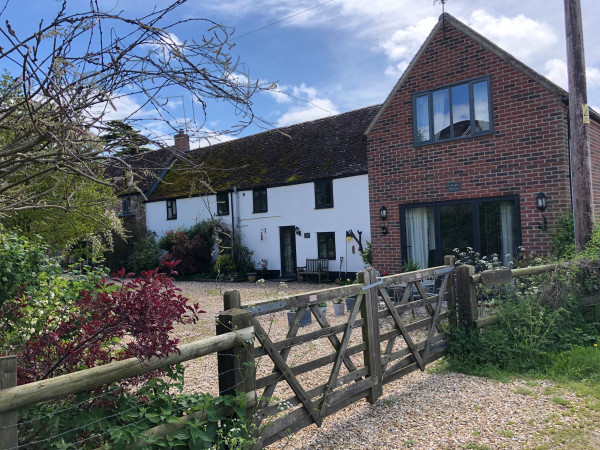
(182, 141)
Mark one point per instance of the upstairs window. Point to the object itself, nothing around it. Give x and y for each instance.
(324, 194)
(326, 245)
(453, 112)
(126, 205)
(259, 200)
(222, 204)
(171, 209)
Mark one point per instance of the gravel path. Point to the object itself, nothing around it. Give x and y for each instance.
(422, 410)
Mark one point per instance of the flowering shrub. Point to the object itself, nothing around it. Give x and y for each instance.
(143, 310)
(193, 253)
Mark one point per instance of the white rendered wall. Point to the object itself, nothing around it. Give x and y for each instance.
(287, 206)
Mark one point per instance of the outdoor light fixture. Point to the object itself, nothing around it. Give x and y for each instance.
(541, 201)
(384, 231)
(298, 232)
(383, 213)
(543, 226)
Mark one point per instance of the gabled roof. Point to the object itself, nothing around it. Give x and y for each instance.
(447, 19)
(332, 147)
(138, 173)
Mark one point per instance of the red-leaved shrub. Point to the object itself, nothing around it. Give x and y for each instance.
(119, 319)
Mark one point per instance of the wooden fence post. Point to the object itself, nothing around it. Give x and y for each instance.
(449, 261)
(8, 420)
(369, 311)
(466, 295)
(237, 372)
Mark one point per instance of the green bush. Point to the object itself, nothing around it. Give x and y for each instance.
(225, 265)
(539, 318)
(94, 423)
(144, 254)
(137, 252)
(21, 261)
(367, 254)
(33, 289)
(562, 238)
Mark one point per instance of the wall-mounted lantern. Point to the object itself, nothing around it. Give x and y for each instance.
(541, 201)
(383, 213)
(384, 231)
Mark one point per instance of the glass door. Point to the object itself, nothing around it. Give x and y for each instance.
(287, 239)
(456, 227)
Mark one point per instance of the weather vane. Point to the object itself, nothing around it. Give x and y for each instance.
(443, 2)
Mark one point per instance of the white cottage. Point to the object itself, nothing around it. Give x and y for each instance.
(293, 193)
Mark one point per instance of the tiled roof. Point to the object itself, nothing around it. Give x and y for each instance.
(144, 169)
(326, 148)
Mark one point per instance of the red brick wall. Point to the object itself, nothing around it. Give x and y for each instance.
(527, 153)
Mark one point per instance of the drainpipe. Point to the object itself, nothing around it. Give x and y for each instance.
(233, 223)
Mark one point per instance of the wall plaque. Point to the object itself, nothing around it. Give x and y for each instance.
(453, 186)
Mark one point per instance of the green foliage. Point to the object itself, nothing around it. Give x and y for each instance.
(540, 317)
(562, 239)
(410, 266)
(116, 418)
(136, 252)
(578, 364)
(21, 261)
(224, 265)
(367, 254)
(121, 139)
(33, 289)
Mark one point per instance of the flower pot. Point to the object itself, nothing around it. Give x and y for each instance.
(252, 277)
(323, 311)
(350, 303)
(338, 309)
(304, 321)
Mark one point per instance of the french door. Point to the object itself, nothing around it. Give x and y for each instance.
(487, 225)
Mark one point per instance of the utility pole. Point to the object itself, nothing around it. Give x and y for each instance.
(581, 166)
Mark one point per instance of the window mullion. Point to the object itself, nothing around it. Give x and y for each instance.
(450, 108)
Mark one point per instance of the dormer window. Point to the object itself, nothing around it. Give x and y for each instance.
(453, 112)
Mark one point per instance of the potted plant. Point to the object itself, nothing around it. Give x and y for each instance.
(350, 301)
(252, 276)
(323, 307)
(338, 307)
(304, 321)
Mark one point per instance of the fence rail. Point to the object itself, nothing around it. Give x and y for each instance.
(377, 342)
(15, 397)
(467, 281)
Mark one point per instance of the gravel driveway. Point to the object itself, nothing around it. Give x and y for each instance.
(422, 410)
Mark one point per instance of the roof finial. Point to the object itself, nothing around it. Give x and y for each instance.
(443, 2)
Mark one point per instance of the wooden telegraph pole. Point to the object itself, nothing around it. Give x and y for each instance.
(581, 166)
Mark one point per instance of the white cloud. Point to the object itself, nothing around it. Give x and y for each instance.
(405, 42)
(520, 35)
(307, 104)
(556, 71)
(593, 77)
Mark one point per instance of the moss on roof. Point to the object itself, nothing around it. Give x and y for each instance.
(326, 148)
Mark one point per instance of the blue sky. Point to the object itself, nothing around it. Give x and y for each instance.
(348, 54)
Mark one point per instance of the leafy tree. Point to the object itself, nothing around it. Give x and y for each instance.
(121, 139)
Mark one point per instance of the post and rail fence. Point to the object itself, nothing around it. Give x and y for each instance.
(294, 380)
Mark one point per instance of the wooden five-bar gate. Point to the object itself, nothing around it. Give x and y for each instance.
(395, 326)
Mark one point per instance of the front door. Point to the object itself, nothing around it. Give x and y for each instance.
(287, 239)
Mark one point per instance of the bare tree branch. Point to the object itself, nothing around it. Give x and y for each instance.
(65, 80)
